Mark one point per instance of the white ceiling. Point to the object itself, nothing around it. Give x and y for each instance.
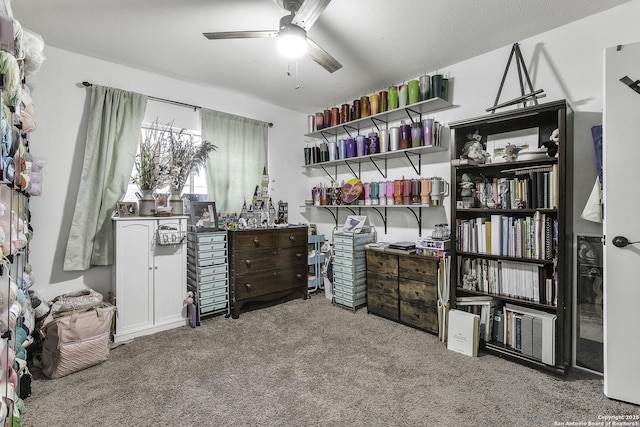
(378, 42)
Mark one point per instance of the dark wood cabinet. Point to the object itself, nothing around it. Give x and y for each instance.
(403, 288)
(267, 264)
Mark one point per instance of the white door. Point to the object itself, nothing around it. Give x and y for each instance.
(170, 278)
(133, 276)
(621, 160)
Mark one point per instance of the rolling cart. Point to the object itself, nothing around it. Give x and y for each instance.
(350, 267)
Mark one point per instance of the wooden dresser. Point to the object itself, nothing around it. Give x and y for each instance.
(403, 288)
(267, 264)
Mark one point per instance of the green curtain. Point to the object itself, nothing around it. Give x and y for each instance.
(115, 118)
(235, 168)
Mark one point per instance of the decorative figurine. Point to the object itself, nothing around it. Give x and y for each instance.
(474, 149)
(511, 152)
(466, 185)
(552, 144)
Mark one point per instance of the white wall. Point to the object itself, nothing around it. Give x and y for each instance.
(59, 138)
(566, 63)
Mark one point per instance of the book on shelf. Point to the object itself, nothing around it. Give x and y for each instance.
(483, 305)
(527, 335)
(530, 237)
(543, 332)
(498, 330)
(463, 332)
(496, 234)
(513, 279)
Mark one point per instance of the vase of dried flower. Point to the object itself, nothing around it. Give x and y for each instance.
(146, 203)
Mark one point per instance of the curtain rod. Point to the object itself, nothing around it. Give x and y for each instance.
(168, 101)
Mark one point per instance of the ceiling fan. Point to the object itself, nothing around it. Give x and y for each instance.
(292, 33)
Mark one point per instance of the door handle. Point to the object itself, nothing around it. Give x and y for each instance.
(621, 242)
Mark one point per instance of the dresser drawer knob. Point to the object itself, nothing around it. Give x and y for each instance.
(299, 276)
(299, 255)
(248, 262)
(247, 285)
(256, 242)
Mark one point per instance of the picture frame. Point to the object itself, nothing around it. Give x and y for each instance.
(204, 216)
(524, 140)
(127, 209)
(189, 198)
(354, 223)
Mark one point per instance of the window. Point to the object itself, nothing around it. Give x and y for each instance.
(196, 183)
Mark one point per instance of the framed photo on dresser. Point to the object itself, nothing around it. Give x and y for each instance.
(204, 216)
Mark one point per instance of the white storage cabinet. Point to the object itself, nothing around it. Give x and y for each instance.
(149, 283)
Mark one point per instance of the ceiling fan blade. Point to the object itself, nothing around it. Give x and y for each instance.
(309, 12)
(319, 55)
(240, 35)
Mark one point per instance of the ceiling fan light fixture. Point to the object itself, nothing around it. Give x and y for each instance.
(292, 41)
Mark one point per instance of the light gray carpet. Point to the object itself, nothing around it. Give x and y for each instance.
(308, 363)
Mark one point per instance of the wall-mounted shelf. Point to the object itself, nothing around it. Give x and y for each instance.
(410, 111)
(416, 210)
(377, 159)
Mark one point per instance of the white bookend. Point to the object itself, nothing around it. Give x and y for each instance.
(463, 334)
